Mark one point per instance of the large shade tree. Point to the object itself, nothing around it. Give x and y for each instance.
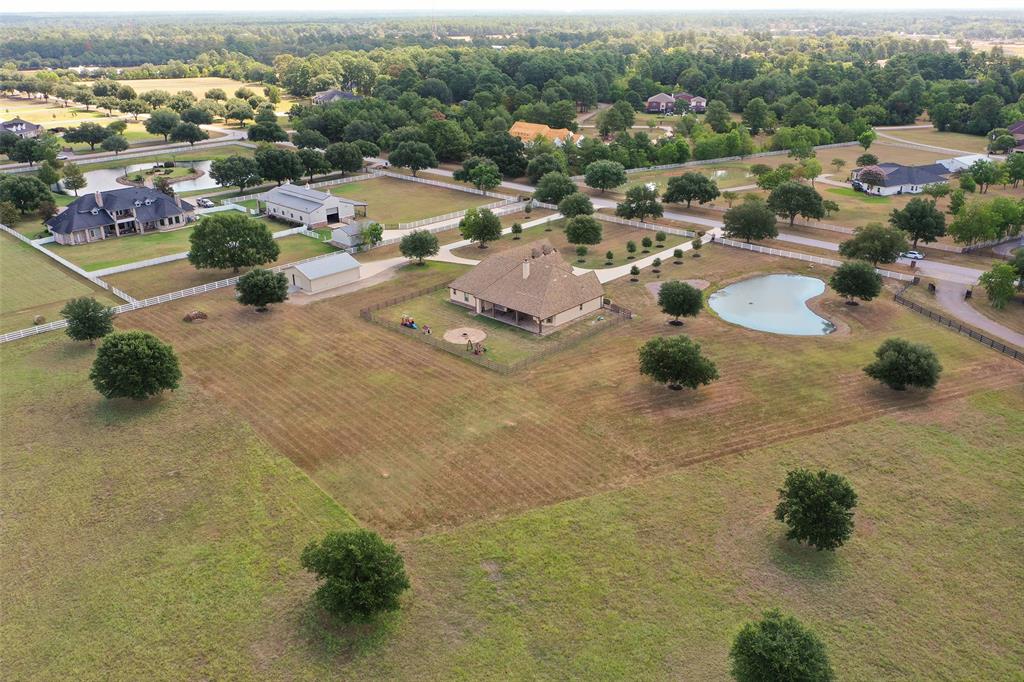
(856, 279)
(899, 364)
(680, 299)
(750, 219)
(875, 243)
(231, 240)
(792, 199)
(676, 361)
(88, 319)
(817, 507)
(689, 187)
(134, 364)
(776, 648)
(920, 220)
(260, 287)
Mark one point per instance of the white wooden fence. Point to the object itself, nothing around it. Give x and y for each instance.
(136, 304)
(441, 183)
(495, 206)
(654, 227)
(806, 257)
(723, 159)
(66, 263)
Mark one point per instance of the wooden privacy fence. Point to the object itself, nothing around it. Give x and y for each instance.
(615, 312)
(959, 327)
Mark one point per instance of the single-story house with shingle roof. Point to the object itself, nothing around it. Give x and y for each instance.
(662, 103)
(119, 212)
(310, 207)
(529, 286)
(334, 95)
(900, 179)
(22, 128)
(322, 274)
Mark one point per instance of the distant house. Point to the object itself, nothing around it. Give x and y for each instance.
(305, 206)
(662, 103)
(529, 286)
(1017, 130)
(900, 179)
(22, 128)
(528, 133)
(323, 274)
(119, 212)
(698, 104)
(334, 95)
(684, 101)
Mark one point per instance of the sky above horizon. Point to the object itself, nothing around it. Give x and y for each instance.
(521, 6)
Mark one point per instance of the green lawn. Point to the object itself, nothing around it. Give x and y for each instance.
(505, 344)
(168, 277)
(391, 201)
(851, 193)
(31, 284)
(135, 134)
(108, 253)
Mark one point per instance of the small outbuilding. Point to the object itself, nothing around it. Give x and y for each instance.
(323, 274)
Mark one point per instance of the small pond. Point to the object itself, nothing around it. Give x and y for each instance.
(773, 303)
(106, 179)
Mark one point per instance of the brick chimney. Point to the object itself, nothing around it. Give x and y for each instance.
(526, 268)
(177, 200)
(99, 199)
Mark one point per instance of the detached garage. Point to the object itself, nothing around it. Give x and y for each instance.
(323, 274)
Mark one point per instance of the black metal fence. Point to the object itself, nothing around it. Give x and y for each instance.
(615, 314)
(959, 327)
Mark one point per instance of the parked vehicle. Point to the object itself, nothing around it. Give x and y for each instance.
(913, 255)
(204, 203)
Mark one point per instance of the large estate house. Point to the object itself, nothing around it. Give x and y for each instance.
(22, 128)
(119, 212)
(305, 206)
(529, 286)
(528, 133)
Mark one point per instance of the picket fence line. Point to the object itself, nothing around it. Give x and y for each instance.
(440, 183)
(315, 185)
(136, 304)
(805, 257)
(154, 151)
(65, 262)
(456, 214)
(722, 159)
(654, 227)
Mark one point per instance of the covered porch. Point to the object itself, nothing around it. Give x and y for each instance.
(515, 318)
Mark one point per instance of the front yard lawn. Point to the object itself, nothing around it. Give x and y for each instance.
(391, 201)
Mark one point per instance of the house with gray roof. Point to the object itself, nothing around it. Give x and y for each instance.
(334, 95)
(322, 274)
(119, 212)
(529, 286)
(22, 128)
(898, 179)
(305, 206)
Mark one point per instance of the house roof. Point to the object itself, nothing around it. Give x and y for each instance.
(85, 212)
(334, 94)
(16, 122)
(303, 198)
(1017, 128)
(661, 97)
(960, 163)
(328, 265)
(684, 96)
(527, 132)
(894, 174)
(550, 287)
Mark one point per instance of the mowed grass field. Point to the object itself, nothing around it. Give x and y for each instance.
(121, 250)
(494, 444)
(391, 201)
(177, 275)
(31, 284)
(613, 238)
(615, 529)
(49, 113)
(974, 144)
(197, 86)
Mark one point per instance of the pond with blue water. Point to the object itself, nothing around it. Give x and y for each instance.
(773, 303)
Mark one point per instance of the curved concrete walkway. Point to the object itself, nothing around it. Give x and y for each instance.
(950, 297)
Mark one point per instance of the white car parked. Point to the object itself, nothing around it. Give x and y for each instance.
(913, 255)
